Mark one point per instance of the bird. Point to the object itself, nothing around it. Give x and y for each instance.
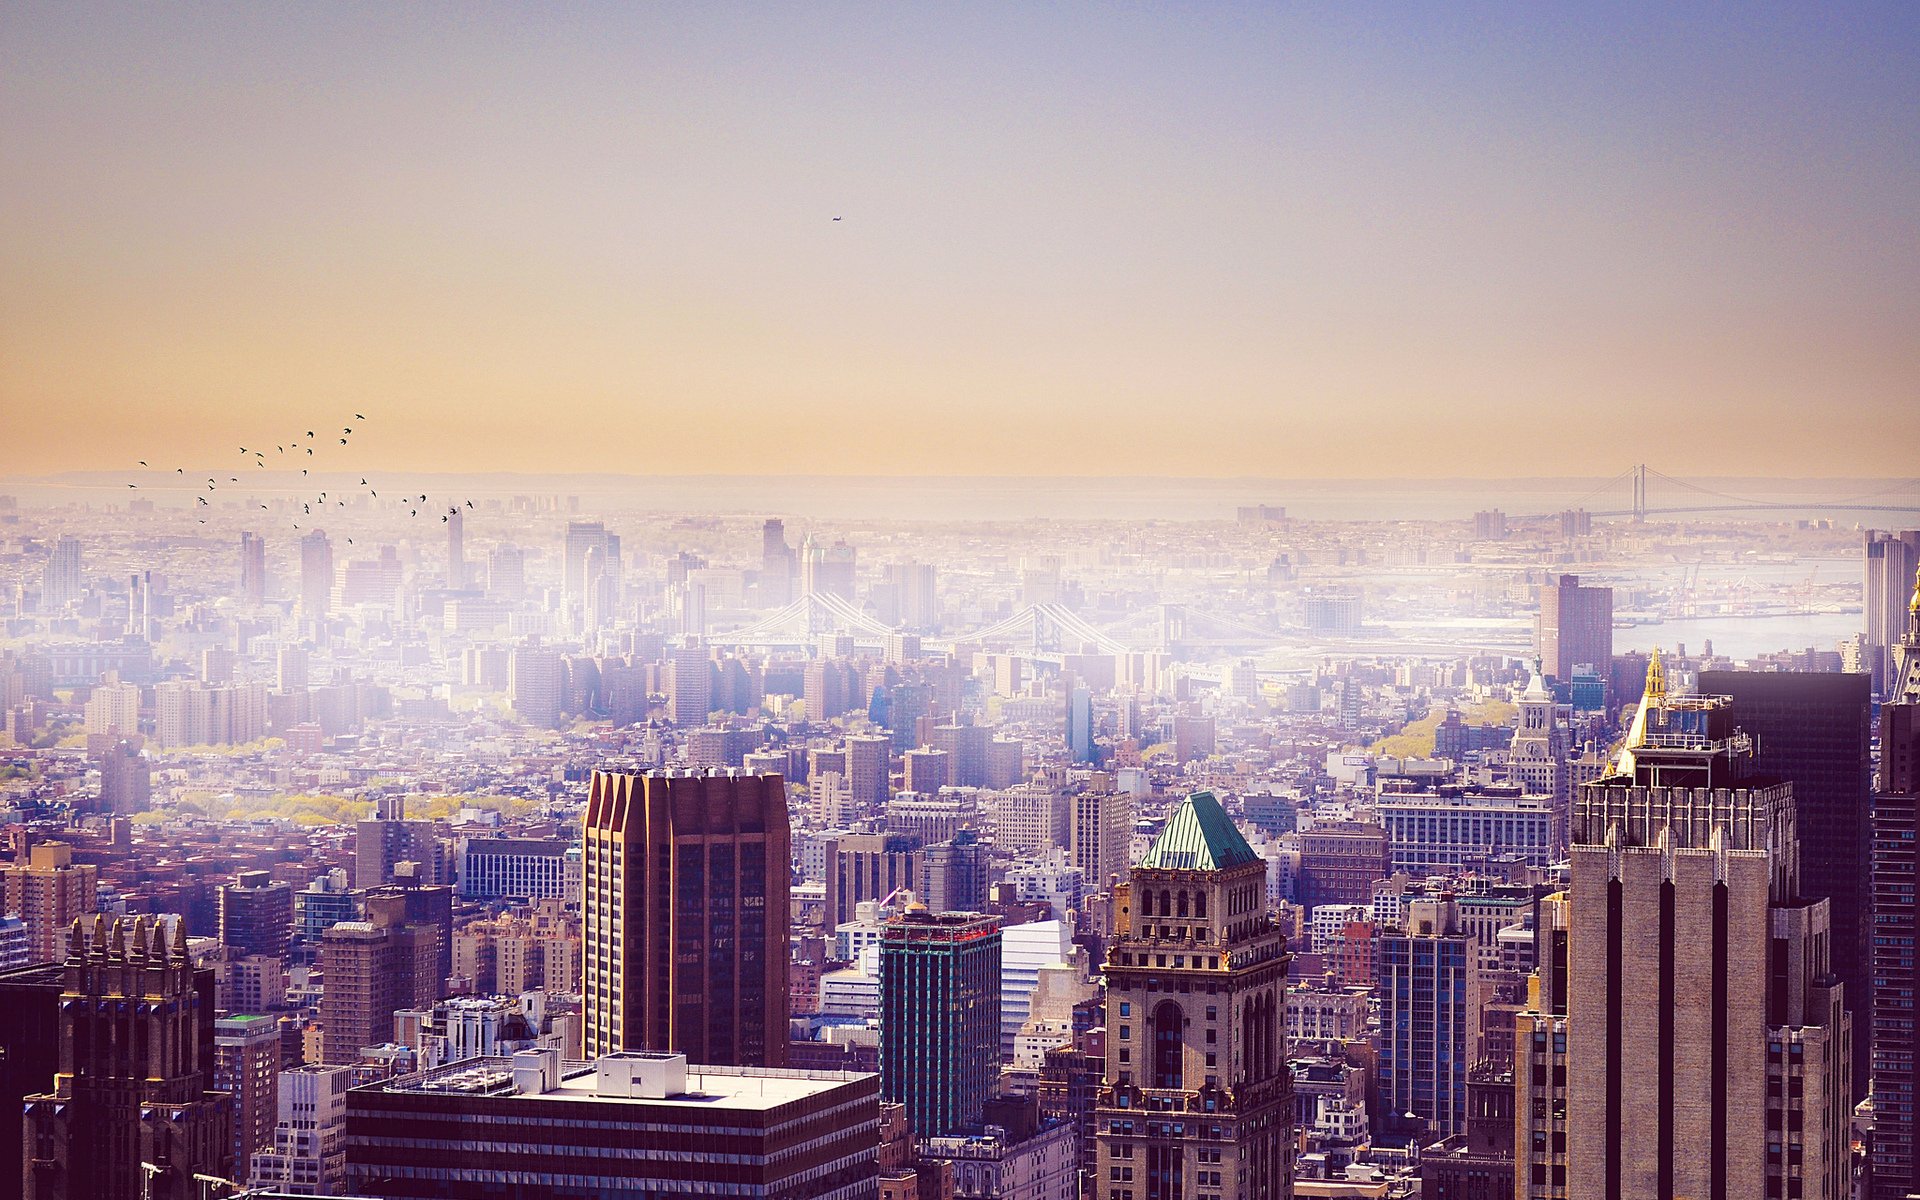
(414, 513)
(469, 504)
(443, 518)
(363, 482)
(281, 449)
(179, 470)
(836, 218)
(143, 462)
(309, 433)
(133, 485)
(243, 449)
(306, 508)
(423, 497)
(346, 429)
(233, 479)
(376, 495)
(359, 416)
(343, 441)
(303, 470)
(349, 541)
(201, 499)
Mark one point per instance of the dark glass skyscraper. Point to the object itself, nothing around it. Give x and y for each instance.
(686, 907)
(939, 1017)
(1815, 731)
(1896, 973)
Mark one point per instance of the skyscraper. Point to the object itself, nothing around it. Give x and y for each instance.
(1706, 1028)
(1816, 732)
(583, 537)
(253, 568)
(1197, 1098)
(1896, 970)
(1428, 989)
(826, 570)
(1102, 835)
(316, 576)
(256, 915)
(776, 564)
(130, 1116)
(48, 891)
(60, 581)
(246, 1066)
(685, 930)
(1080, 724)
(690, 685)
(385, 840)
(939, 1016)
(1574, 627)
(456, 550)
(374, 968)
(1891, 561)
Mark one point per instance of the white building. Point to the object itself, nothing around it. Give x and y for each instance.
(1050, 880)
(1024, 950)
(309, 1154)
(1435, 834)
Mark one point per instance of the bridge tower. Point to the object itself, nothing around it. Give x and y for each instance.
(1640, 492)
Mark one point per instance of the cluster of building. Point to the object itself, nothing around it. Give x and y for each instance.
(595, 872)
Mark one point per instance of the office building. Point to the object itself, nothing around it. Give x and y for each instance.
(1816, 732)
(777, 564)
(126, 780)
(689, 685)
(1574, 627)
(523, 868)
(130, 1115)
(316, 576)
(1444, 834)
(1339, 862)
(373, 968)
(939, 1016)
(868, 866)
(1892, 559)
(633, 1125)
(1197, 1099)
(1698, 980)
(388, 838)
(256, 915)
(1896, 924)
(253, 569)
(584, 540)
(322, 904)
(307, 1153)
(966, 748)
(685, 916)
(1476, 1164)
(537, 684)
(1540, 1062)
(29, 1050)
(1102, 834)
(1080, 724)
(1017, 1155)
(114, 708)
(246, 1066)
(48, 891)
(953, 874)
(869, 768)
(1428, 987)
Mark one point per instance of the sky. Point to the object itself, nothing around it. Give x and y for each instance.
(1212, 240)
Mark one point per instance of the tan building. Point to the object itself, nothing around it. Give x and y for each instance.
(48, 892)
(1102, 832)
(1685, 882)
(1540, 1064)
(1197, 1100)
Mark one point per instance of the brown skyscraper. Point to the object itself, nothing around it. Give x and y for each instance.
(686, 916)
(130, 1116)
(1575, 627)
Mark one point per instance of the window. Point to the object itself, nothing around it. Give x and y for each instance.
(1167, 1067)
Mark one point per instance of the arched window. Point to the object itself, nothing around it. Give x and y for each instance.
(1168, 1068)
(1200, 905)
(1183, 903)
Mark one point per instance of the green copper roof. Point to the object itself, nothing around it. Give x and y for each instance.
(1199, 836)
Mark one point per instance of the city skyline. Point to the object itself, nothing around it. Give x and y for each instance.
(1343, 244)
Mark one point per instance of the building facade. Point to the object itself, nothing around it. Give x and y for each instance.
(685, 916)
(1196, 1102)
(940, 1016)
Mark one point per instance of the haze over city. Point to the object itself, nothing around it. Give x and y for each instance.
(970, 602)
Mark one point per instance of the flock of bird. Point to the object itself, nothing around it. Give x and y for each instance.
(302, 451)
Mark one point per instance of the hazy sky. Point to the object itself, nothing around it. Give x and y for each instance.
(1280, 240)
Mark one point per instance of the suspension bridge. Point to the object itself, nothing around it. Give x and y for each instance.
(1680, 496)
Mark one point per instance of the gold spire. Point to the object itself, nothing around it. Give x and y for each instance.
(1913, 605)
(1656, 676)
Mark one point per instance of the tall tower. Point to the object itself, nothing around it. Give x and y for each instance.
(1896, 971)
(1891, 559)
(1706, 1024)
(1575, 627)
(130, 1116)
(1197, 1099)
(253, 568)
(456, 550)
(939, 1017)
(686, 907)
(316, 576)
(60, 583)
(1428, 988)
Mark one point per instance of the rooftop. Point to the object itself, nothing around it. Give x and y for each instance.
(707, 1087)
(1199, 836)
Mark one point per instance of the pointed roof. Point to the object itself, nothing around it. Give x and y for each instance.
(1199, 836)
